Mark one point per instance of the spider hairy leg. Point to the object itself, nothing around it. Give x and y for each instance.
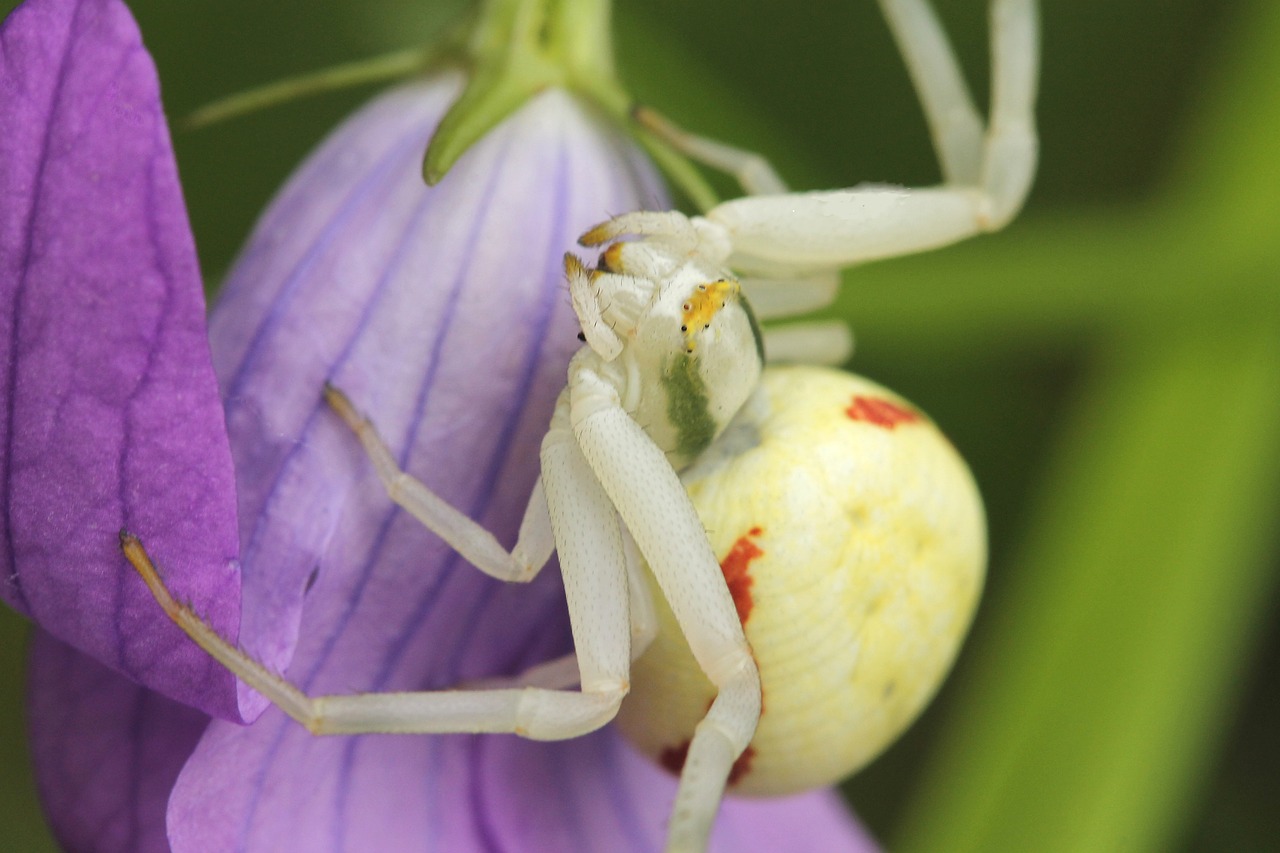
(987, 168)
(985, 184)
(955, 125)
(648, 495)
(788, 295)
(680, 236)
(562, 673)
(291, 700)
(534, 544)
(753, 172)
(827, 342)
(532, 712)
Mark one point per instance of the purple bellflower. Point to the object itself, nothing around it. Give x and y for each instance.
(442, 313)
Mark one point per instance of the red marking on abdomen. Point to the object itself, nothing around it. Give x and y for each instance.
(880, 412)
(674, 757)
(736, 565)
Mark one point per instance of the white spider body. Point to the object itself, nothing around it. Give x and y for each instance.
(677, 339)
(871, 540)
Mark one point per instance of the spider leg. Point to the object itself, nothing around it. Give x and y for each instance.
(670, 228)
(813, 342)
(644, 618)
(533, 546)
(954, 121)
(1000, 157)
(556, 674)
(595, 579)
(788, 295)
(562, 673)
(752, 171)
(670, 225)
(646, 492)
(986, 179)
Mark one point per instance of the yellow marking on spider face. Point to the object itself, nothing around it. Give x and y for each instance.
(697, 312)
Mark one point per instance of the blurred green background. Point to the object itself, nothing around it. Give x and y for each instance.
(1110, 366)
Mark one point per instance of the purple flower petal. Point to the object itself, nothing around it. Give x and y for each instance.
(596, 793)
(109, 416)
(108, 750)
(443, 314)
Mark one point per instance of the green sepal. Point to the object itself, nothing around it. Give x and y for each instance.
(516, 49)
(378, 69)
(487, 100)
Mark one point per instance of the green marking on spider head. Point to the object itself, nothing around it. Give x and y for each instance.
(687, 405)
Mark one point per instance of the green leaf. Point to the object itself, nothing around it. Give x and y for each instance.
(1097, 692)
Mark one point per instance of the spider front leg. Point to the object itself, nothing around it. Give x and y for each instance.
(649, 497)
(596, 586)
(987, 170)
(534, 544)
(753, 172)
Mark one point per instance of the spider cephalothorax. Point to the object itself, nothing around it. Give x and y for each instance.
(675, 335)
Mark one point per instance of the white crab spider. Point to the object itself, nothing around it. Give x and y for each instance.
(673, 355)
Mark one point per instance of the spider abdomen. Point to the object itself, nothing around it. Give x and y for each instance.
(852, 539)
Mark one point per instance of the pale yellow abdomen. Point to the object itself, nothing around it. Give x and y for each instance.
(854, 541)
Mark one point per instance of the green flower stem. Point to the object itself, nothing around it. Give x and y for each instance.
(1093, 698)
(580, 32)
(512, 50)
